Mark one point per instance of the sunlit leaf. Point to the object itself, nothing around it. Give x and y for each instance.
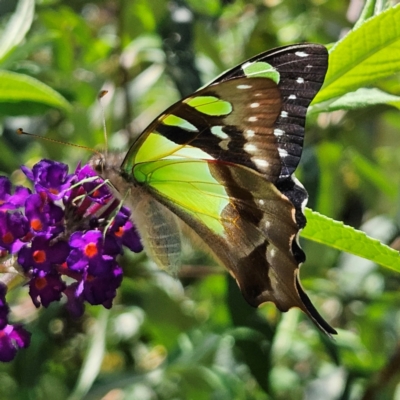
(17, 27)
(16, 87)
(335, 234)
(364, 56)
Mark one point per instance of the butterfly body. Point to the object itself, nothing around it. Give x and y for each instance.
(219, 165)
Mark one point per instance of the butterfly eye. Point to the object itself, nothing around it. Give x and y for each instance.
(98, 163)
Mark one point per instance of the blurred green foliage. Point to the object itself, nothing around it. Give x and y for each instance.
(196, 338)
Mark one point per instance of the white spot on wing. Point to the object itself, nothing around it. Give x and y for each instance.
(300, 80)
(250, 148)
(292, 97)
(249, 133)
(278, 132)
(301, 54)
(283, 152)
(253, 119)
(260, 162)
(254, 105)
(261, 202)
(244, 86)
(246, 64)
(284, 114)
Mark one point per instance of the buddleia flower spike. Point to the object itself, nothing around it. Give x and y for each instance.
(59, 239)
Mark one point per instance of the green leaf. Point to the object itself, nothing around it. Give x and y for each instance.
(372, 173)
(17, 27)
(367, 12)
(15, 88)
(335, 234)
(360, 98)
(364, 56)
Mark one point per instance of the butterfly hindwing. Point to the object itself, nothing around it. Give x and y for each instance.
(161, 236)
(252, 232)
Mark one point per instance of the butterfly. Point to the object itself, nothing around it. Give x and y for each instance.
(218, 167)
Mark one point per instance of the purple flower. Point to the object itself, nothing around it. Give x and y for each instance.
(102, 290)
(9, 201)
(41, 255)
(47, 288)
(50, 177)
(12, 338)
(62, 231)
(12, 228)
(43, 215)
(96, 189)
(84, 172)
(125, 232)
(90, 249)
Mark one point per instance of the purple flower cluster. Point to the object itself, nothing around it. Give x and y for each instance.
(12, 337)
(69, 227)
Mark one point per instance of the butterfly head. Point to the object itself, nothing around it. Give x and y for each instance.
(108, 167)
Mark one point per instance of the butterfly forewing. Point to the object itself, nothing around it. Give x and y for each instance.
(207, 126)
(301, 70)
(244, 134)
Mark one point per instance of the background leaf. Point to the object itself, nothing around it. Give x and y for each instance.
(362, 97)
(17, 88)
(17, 27)
(335, 234)
(355, 61)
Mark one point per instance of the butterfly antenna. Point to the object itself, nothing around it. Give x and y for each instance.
(20, 131)
(101, 95)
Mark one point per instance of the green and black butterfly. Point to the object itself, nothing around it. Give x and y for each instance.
(218, 166)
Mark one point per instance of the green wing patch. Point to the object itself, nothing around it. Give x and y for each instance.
(188, 184)
(210, 105)
(260, 69)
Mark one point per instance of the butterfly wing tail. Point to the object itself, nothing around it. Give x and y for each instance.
(267, 285)
(311, 311)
